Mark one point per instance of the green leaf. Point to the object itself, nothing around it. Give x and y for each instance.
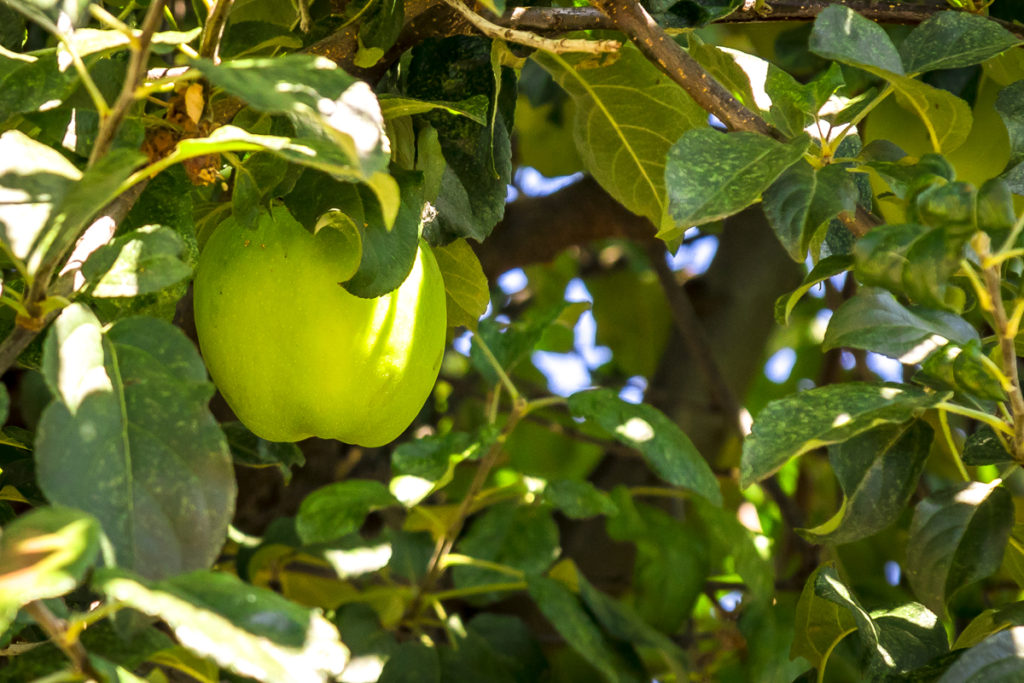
(578, 499)
(339, 509)
(873, 320)
(512, 644)
(33, 81)
(388, 254)
(44, 553)
(49, 13)
(426, 465)
(951, 40)
(319, 96)
(988, 622)
(1010, 105)
(140, 262)
(414, 662)
(129, 439)
(474, 108)
(378, 31)
(575, 625)
(721, 64)
(518, 536)
(957, 537)
(878, 472)
(984, 447)
(914, 259)
(711, 175)
(897, 640)
(730, 541)
(252, 451)
(478, 157)
(803, 200)
(628, 115)
(672, 561)
(799, 423)
(795, 104)
(251, 38)
(464, 284)
(1000, 657)
(623, 623)
(825, 268)
(252, 631)
(841, 34)
(820, 623)
(946, 117)
(663, 445)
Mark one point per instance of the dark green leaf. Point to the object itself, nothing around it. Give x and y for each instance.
(794, 104)
(30, 81)
(983, 447)
(803, 200)
(479, 157)
(48, 13)
(796, 424)
(512, 643)
(474, 108)
(664, 446)
(950, 40)
(820, 623)
(251, 38)
(252, 451)
(578, 499)
(711, 175)
(414, 662)
(998, 658)
(965, 369)
(521, 537)
(730, 542)
(44, 554)
(379, 30)
(140, 262)
(843, 35)
(129, 439)
(878, 471)
(339, 509)
(957, 537)
(572, 622)
(249, 630)
(1010, 105)
(628, 114)
(874, 320)
(724, 68)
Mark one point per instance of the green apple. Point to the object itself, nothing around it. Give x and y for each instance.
(294, 354)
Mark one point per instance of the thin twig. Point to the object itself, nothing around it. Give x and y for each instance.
(54, 628)
(213, 30)
(513, 35)
(993, 283)
(133, 78)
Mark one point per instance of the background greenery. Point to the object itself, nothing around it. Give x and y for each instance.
(797, 462)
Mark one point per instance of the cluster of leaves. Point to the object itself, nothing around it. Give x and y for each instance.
(118, 560)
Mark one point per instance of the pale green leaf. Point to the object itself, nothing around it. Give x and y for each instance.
(628, 115)
(464, 283)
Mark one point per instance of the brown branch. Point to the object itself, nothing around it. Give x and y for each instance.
(993, 284)
(136, 73)
(632, 19)
(213, 29)
(55, 629)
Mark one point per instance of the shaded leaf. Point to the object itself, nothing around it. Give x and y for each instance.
(572, 622)
(252, 451)
(578, 499)
(803, 200)
(426, 465)
(957, 537)
(251, 631)
(796, 424)
(1000, 657)
(820, 623)
(628, 116)
(339, 509)
(878, 472)
(950, 40)
(129, 439)
(413, 662)
(984, 447)
(711, 175)
(829, 266)
(33, 81)
(841, 34)
(474, 108)
(874, 320)
(665, 447)
(464, 284)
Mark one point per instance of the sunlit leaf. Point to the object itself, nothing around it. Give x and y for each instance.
(464, 283)
(140, 262)
(796, 424)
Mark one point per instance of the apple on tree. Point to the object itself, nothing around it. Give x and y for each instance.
(295, 354)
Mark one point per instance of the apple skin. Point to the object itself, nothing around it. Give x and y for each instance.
(294, 354)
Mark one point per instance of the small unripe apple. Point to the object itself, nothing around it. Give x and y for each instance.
(295, 354)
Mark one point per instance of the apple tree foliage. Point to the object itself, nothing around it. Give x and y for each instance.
(801, 462)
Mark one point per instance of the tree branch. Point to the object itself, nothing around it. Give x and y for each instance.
(514, 35)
